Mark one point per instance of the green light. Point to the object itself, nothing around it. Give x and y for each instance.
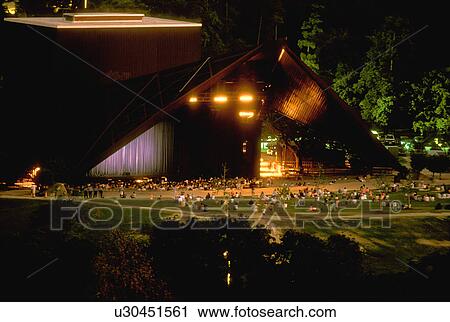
(264, 146)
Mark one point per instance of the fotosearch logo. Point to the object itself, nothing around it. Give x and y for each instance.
(108, 214)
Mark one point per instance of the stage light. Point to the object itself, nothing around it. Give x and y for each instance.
(246, 114)
(281, 54)
(193, 99)
(220, 99)
(246, 98)
(34, 172)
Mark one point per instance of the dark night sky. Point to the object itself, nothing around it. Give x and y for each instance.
(361, 17)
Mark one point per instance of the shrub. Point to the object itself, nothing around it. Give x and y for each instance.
(124, 272)
(313, 264)
(418, 162)
(438, 164)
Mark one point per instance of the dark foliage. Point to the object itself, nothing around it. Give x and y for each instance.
(124, 272)
(418, 162)
(193, 264)
(438, 164)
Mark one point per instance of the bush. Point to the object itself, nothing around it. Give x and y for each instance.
(207, 255)
(190, 260)
(313, 264)
(418, 162)
(438, 164)
(345, 257)
(124, 272)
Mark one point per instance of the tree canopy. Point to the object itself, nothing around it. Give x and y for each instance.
(311, 31)
(429, 99)
(373, 87)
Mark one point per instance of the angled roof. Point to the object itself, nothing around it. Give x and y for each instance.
(103, 20)
(298, 94)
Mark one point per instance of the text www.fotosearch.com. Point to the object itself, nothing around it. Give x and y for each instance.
(248, 312)
(222, 312)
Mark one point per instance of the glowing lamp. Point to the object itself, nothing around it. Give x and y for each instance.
(281, 54)
(246, 98)
(193, 99)
(246, 114)
(220, 99)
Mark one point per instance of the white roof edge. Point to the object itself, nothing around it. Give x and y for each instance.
(102, 24)
(101, 14)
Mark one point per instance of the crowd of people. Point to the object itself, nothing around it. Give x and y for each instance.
(96, 190)
(230, 190)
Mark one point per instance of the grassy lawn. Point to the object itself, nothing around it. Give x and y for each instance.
(15, 215)
(406, 239)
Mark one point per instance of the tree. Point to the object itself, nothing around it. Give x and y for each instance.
(272, 14)
(212, 41)
(190, 260)
(247, 252)
(31, 8)
(429, 103)
(124, 272)
(438, 164)
(174, 7)
(346, 84)
(374, 86)
(2, 10)
(345, 256)
(311, 263)
(113, 5)
(45, 177)
(377, 78)
(379, 99)
(418, 162)
(311, 31)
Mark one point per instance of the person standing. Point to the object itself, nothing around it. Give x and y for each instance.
(33, 190)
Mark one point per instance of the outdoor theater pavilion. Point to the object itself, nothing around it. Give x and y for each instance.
(182, 115)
